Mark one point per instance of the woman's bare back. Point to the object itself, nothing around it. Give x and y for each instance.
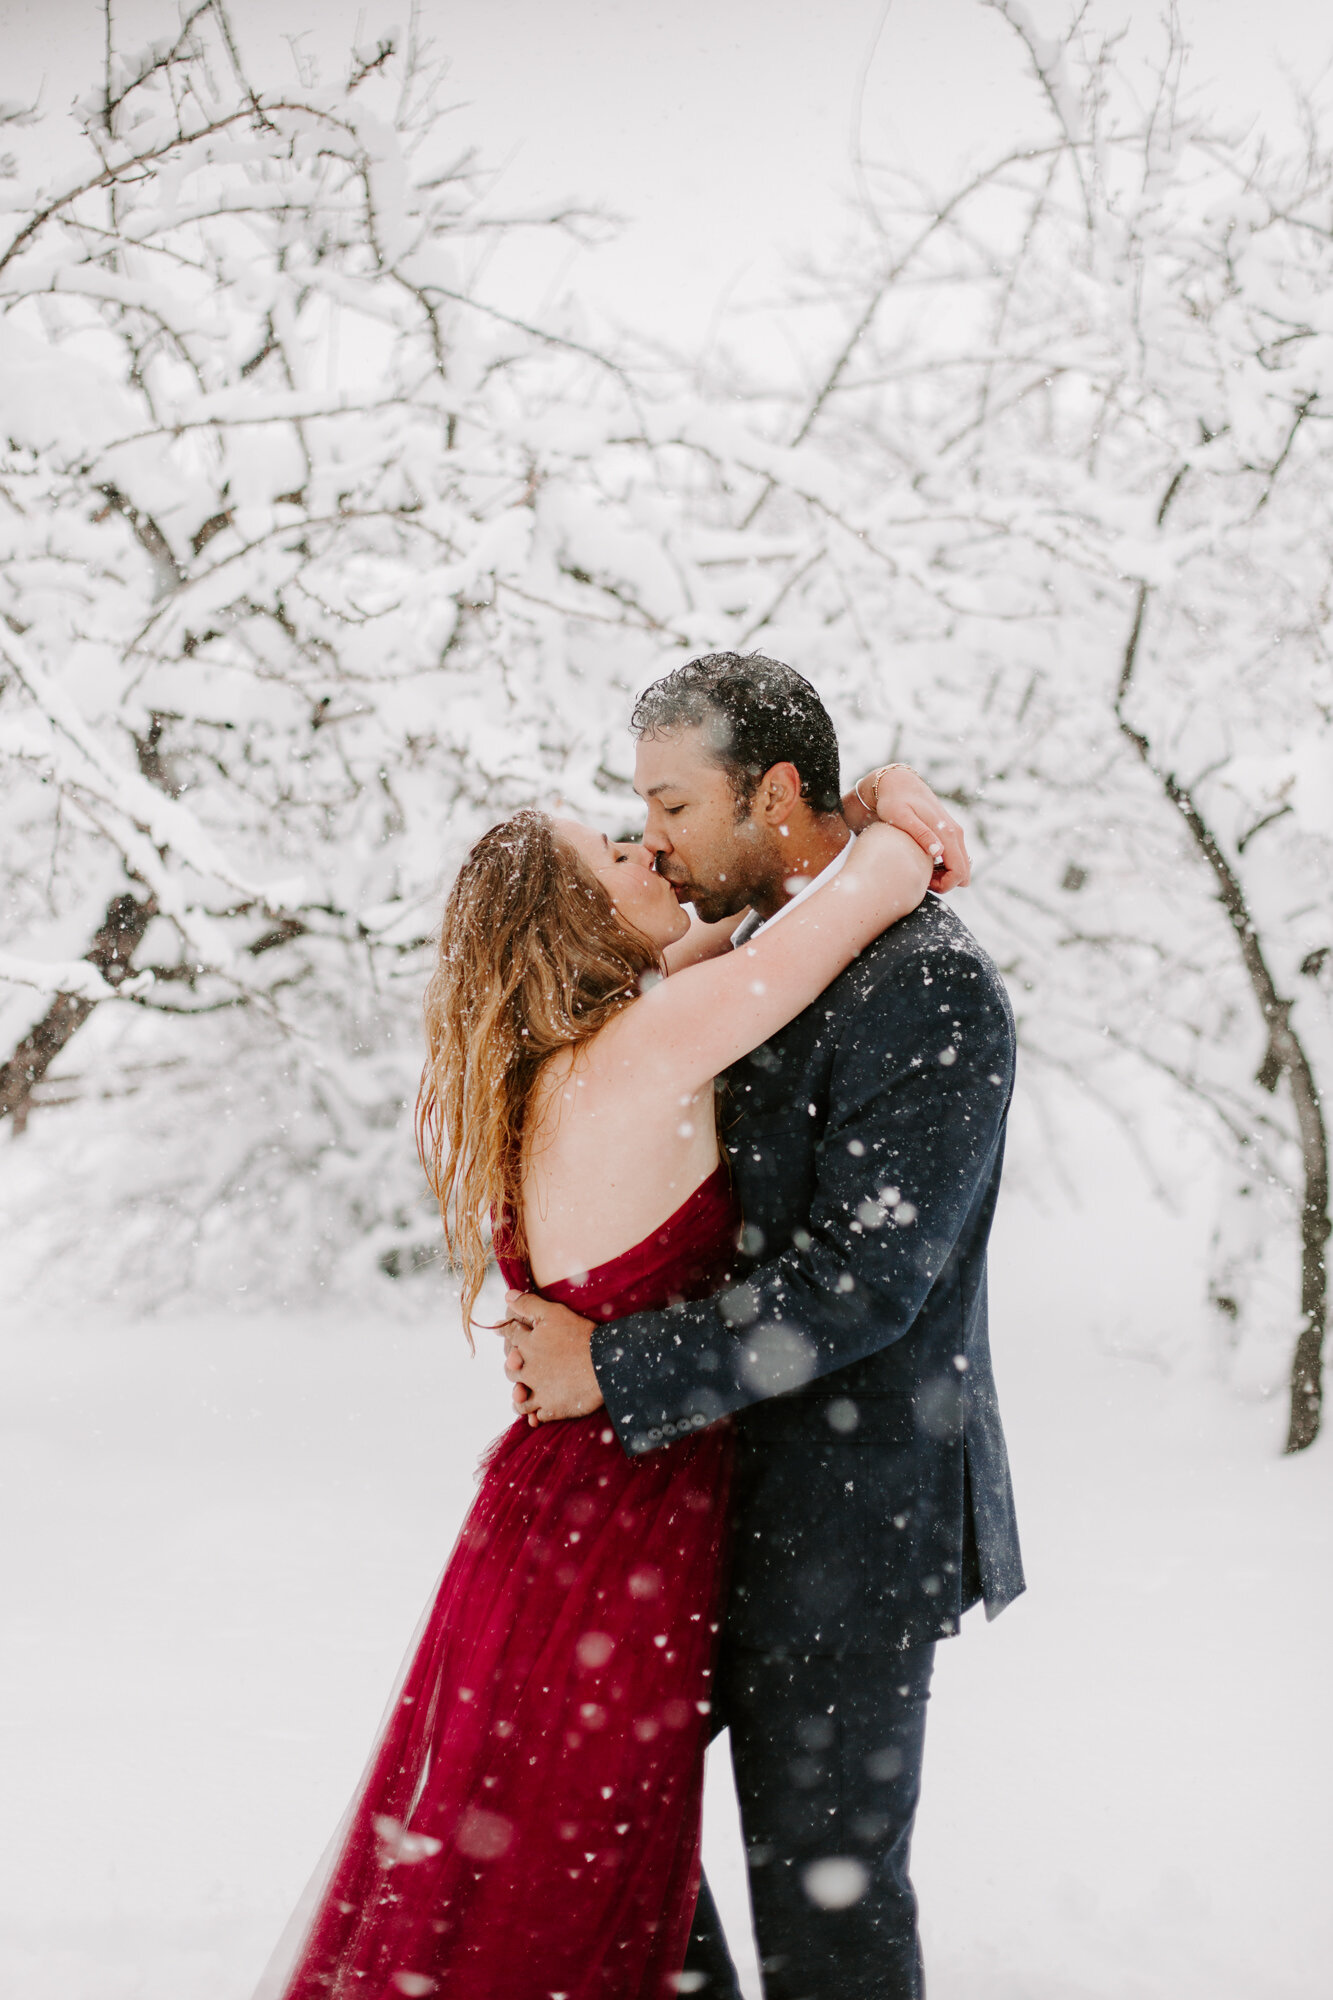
(611, 1152)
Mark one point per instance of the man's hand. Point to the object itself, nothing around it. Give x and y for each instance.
(547, 1358)
(903, 800)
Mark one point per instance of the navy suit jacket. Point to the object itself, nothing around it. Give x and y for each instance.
(873, 1500)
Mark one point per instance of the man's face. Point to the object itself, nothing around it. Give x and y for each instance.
(710, 857)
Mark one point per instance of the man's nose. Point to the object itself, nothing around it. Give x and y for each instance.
(654, 840)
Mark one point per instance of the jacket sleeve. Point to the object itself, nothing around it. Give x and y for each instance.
(919, 1087)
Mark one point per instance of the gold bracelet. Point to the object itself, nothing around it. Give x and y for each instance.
(876, 775)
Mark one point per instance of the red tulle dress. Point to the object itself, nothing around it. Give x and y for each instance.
(528, 1828)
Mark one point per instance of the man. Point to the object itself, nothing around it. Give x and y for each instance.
(873, 1498)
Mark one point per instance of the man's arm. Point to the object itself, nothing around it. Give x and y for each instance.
(911, 1136)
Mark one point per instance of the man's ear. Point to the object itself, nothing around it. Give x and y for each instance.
(778, 794)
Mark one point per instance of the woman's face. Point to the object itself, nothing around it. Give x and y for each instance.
(641, 898)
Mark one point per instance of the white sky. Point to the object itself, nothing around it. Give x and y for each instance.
(721, 129)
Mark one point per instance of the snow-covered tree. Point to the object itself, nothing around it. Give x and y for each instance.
(1077, 414)
(313, 559)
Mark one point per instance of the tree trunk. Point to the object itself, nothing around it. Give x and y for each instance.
(112, 952)
(1285, 1056)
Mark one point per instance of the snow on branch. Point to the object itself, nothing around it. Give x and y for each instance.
(316, 557)
(74, 976)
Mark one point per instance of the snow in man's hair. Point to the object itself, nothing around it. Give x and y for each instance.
(755, 712)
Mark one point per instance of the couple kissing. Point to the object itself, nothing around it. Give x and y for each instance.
(739, 1169)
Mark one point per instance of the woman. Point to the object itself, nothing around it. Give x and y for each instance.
(529, 1826)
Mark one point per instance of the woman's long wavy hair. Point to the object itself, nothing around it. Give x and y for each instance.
(532, 959)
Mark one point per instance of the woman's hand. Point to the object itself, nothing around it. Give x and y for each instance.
(900, 798)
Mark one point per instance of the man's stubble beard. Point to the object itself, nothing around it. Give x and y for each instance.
(712, 907)
(747, 873)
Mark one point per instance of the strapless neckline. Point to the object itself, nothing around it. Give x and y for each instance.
(597, 1274)
(687, 1255)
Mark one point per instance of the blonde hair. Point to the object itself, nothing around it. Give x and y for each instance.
(532, 958)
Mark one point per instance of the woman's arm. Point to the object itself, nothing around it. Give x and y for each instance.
(701, 941)
(691, 1027)
(900, 798)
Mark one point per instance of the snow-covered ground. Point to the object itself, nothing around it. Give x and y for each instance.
(226, 1530)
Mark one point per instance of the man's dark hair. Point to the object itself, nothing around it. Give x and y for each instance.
(754, 713)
